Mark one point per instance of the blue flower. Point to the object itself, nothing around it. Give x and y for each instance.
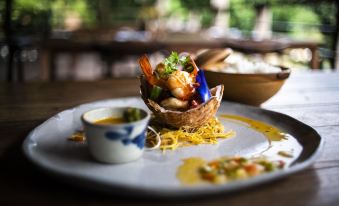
(202, 90)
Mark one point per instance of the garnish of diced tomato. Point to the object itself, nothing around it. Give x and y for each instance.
(194, 104)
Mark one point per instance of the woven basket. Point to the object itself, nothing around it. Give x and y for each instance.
(194, 118)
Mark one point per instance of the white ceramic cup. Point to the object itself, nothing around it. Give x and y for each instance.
(116, 143)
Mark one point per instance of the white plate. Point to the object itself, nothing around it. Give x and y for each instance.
(155, 173)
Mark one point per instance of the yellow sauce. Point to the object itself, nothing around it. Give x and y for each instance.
(110, 120)
(271, 132)
(188, 172)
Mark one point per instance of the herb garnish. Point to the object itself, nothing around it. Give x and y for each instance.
(173, 60)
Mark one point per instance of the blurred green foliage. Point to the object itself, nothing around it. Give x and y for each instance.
(242, 14)
(58, 8)
(28, 5)
(61, 8)
(295, 20)
(292, 18)
(301, 19)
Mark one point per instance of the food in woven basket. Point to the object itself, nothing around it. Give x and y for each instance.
(177, 93)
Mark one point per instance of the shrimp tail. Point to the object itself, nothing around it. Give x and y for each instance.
(194, 73)
(146, 68)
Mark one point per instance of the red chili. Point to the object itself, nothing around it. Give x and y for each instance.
(194, 104)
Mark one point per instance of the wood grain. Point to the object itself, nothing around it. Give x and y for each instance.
(312, 98)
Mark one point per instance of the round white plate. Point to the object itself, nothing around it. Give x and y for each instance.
(155, 173)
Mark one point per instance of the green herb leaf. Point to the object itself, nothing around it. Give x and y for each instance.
(171, 63)
(184, 60)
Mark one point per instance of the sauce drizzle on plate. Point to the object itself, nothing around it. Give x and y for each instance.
(271, 132)
(188, 172)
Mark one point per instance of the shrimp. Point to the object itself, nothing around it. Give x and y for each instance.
(182, 84)
(174, 103)
(194, 73)
(146, 68)
(160, 71)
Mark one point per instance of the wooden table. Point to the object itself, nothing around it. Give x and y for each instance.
(312, 98)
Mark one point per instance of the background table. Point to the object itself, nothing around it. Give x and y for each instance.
(111, 51)
(310, 97)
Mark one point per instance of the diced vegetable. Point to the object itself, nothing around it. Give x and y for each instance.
(132, 114)
(155, 93)
(236, 168)
(194, 104)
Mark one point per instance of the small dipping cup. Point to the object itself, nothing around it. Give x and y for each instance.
(115, 143)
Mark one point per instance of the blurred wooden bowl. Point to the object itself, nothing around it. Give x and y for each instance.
(252, 89)
(212, 56)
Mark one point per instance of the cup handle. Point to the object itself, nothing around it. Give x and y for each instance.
(157, 145)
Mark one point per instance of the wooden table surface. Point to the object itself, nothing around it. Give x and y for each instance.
(310, 97)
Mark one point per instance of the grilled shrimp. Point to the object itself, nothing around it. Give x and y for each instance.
(181, 85)
(148, 72)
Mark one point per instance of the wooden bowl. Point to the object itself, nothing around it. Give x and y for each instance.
(252, 89)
